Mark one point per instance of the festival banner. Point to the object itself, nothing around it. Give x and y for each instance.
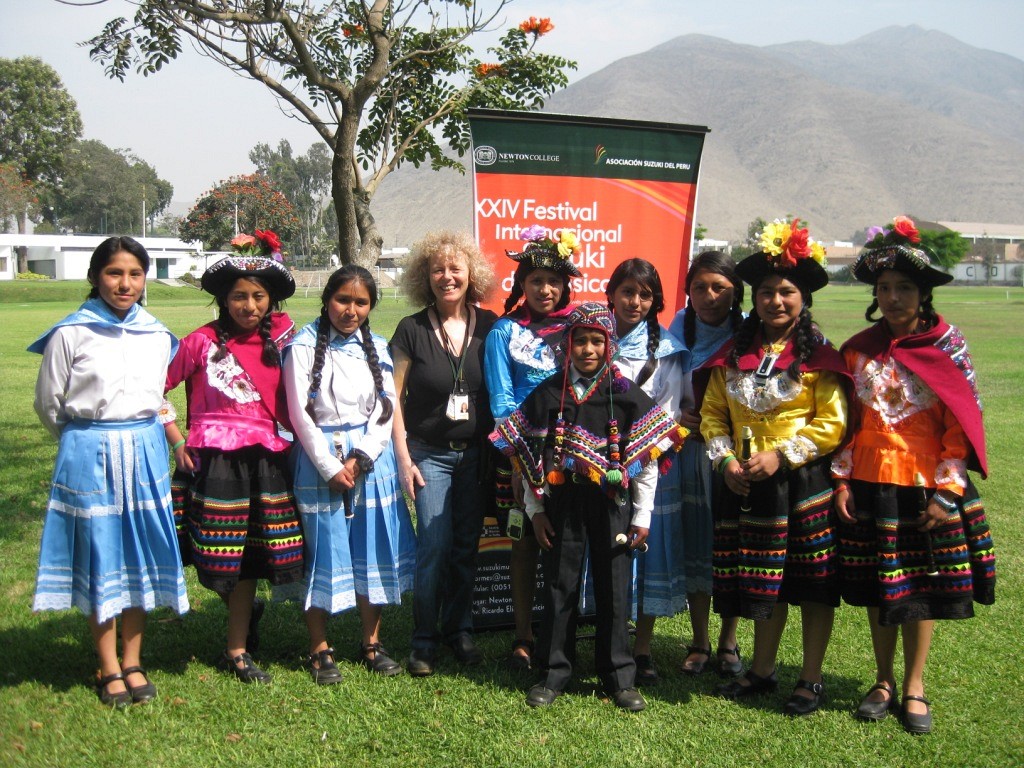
(626, 188)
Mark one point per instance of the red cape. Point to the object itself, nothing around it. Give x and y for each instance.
(939, 357)
(248, 350)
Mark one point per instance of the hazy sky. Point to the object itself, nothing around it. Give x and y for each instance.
(195, 122)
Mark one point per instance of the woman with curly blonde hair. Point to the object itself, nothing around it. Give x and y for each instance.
(439, 427)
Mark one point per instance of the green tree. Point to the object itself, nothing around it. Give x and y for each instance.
(947, 247)
(106, 190)
(306, 182)
(39, 121)
(382, 81)
(987, 252)
(250, 200)
(17, 194)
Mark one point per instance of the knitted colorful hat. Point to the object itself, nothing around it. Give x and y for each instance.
(893, 248)
(786, 250)
(219, 278)
(596, 316)
(541, 252)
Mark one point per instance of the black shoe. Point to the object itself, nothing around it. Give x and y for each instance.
(878, 710)
(421, 662)
(380, 662)
(465, 650)
(115, 700)
(323, 668)
(629, 699)
(646, 672)
(758, 685)
(516, 661)
(252, 639)
(140, 693)
(803, 705)
(726, 668)
(542, 696)
(695, 668)
(917, 724)
(242, 667)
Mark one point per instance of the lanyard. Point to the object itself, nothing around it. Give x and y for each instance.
(446, 342)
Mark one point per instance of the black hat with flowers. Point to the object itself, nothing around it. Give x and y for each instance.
(786, 250)
(543, 252)
(258, 256)
(896, 247)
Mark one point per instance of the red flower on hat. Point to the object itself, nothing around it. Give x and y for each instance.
(269, 239)
(905, 227)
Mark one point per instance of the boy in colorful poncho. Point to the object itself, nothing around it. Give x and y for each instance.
(587, 444)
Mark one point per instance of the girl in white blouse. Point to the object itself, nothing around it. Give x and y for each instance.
(109, 547)
(360, 547)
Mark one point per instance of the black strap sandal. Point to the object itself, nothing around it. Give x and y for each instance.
(878, 710)
(726, 668)
(519, 662)
(323, 667)
(379, 662)
(798, 705)
(118, 700)
(695, 668)
(140, 693)
(243, 668)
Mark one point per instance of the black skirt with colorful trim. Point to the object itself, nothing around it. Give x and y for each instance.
(236, 518)
(884, 557)
(782, 550)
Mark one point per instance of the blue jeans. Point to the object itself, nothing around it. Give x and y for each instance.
(449, 518)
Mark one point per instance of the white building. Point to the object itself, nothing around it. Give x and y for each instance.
(66, 257)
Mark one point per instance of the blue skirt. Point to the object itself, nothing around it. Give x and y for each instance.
(109, 542)
(661, 576)
(698, 483)
(372, 554)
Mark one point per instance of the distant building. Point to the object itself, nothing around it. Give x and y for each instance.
(66, 257)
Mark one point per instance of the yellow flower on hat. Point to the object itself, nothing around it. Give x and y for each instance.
(567, 243)
(775, 237)
(818, 252)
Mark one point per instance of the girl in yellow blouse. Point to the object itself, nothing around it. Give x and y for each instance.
(773, 411)
(914, 543)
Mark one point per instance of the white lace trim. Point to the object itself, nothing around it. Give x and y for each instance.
(779, 389)
(531, 351)
(228, 377)
(951, 472)
(842, 463)
(799, 450)
(167, 412)
(892, 391)
(720, 447)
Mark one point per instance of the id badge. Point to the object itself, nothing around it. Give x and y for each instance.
(458, 407)
(514, 529)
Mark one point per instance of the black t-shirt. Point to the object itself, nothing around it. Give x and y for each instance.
(429, 380)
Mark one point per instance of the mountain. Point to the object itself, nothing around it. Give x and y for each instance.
(903, 120)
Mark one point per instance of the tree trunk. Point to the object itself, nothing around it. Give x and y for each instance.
(22, 219)
(343, 185)
(372, 242)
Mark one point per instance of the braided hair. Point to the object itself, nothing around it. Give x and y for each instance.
(645, 274)
(519, 279)
(806, 336)
(224, 324)
(350, 273)
(720, 264)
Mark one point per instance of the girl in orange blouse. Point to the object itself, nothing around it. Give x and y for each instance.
(914, 542)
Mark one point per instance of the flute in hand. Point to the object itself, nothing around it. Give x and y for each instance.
(922, 508)
(346, 496)
(748, 435)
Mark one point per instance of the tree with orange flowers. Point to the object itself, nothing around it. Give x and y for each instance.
(239, 204)
(382, 81)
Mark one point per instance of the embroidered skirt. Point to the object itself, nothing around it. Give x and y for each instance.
(372, 553)
(782, 549)
(237, 519)
(884, 557)
(661, 570)
(108, 540)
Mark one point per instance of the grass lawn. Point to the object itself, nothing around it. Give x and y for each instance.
(50, 716)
